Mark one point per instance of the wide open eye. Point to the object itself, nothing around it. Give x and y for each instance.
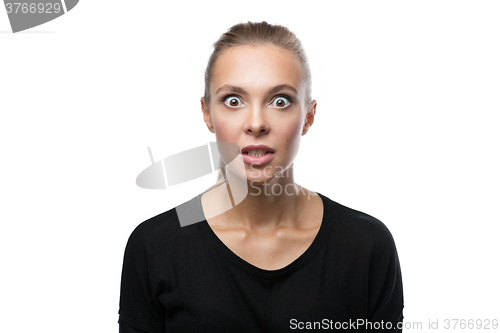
(280, 102)
(232, 101)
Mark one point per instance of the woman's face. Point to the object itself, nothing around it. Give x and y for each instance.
(258, 98)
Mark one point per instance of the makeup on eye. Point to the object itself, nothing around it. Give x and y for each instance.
(228, 99)
(287, 100)
(280, 101)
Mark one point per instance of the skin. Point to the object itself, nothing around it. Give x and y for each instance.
(267, 230)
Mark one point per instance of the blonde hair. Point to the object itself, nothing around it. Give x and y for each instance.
(256, 33)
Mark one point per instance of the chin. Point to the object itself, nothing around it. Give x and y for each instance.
(258, 181)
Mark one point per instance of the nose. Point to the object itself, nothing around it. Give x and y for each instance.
(256, 122)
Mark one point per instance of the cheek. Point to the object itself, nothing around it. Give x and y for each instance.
(291, 131)
(224, 129)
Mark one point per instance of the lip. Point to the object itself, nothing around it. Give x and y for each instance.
(256, 147)
(255, 160)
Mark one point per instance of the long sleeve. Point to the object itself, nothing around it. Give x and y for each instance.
(140, 311)
(386, 286)
(185, 279)
(125, 327)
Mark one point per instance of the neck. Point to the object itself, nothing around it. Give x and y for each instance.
(267, 205)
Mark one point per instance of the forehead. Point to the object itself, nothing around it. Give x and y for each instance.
(256, 68)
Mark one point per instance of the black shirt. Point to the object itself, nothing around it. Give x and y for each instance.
(185, 279)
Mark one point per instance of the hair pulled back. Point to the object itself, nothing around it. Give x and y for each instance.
(256, 34)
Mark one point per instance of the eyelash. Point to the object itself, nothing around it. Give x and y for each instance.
(224, 97)
(284, 96)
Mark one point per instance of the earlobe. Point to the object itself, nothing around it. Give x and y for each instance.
(305, 129)
(206, 115)
(311, 112)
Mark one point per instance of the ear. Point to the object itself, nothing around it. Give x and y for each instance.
(206, 115)
(311, 112)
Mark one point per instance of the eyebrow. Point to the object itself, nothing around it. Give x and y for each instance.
(240, 90)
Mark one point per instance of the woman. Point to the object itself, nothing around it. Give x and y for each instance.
(283, 257)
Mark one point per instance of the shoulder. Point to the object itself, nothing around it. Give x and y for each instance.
(351, 225)
(366, 242)
(163, 230)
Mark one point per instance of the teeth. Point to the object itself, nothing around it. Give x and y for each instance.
(257, 153)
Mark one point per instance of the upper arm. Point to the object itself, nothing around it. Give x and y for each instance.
(140, 310)
(125, 327)
(385, 281)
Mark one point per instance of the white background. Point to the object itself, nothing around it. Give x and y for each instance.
(406, 130)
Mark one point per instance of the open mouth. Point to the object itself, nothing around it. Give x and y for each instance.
(256, 153)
